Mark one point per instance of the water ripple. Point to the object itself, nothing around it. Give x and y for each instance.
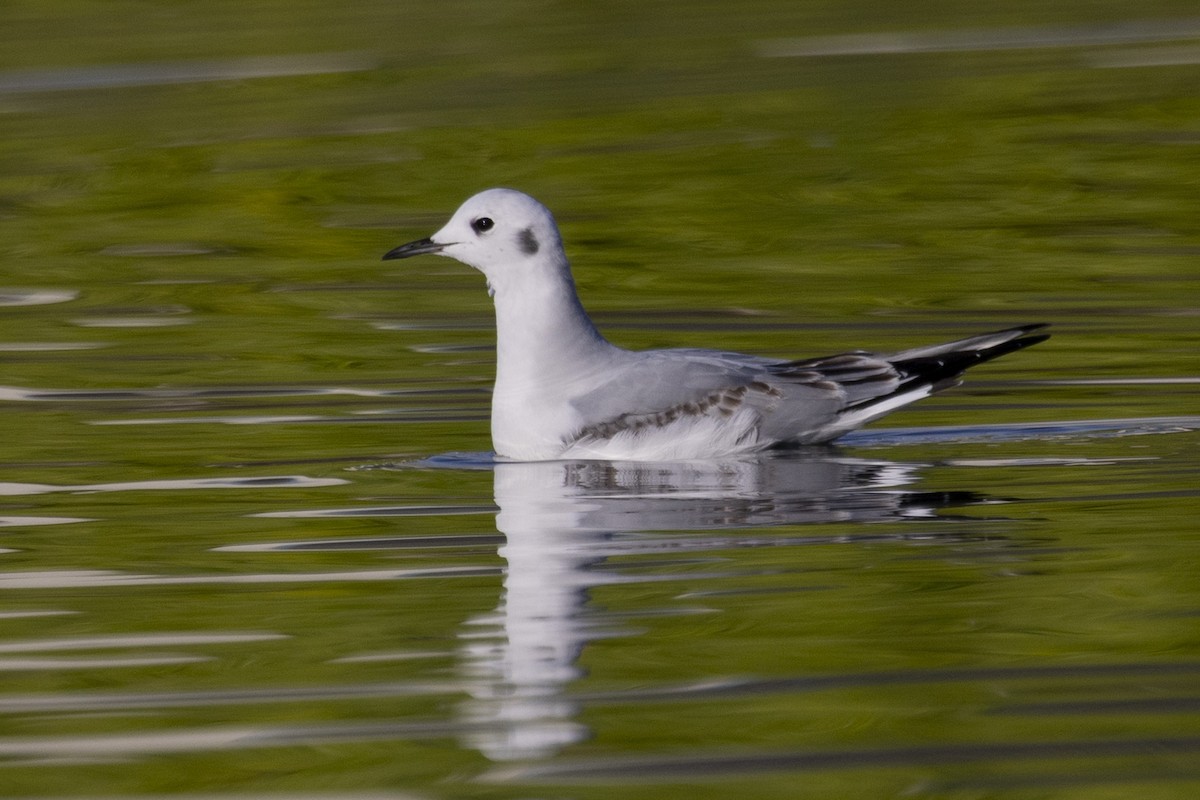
(96, 662)
(1102, 428)
(266, 482)
(9, 521)
(115, 76)
(133, 640)
(978, 39)
(36, 297)
(695, 765)
(80, 579)
(380, 511)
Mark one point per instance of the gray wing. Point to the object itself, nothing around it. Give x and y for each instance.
(806, 401)
(657, 387)
(860, 379)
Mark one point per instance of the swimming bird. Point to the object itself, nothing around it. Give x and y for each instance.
(563, 391)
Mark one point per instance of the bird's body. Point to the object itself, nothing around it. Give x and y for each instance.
(563, 391)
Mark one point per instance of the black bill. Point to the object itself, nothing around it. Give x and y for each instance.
(417, 248)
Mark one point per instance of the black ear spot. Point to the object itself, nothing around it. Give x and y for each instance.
(528, 242)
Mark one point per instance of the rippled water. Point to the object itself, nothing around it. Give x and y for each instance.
(252, 543)
(936, 609)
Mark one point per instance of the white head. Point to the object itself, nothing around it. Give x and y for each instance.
(495, 231)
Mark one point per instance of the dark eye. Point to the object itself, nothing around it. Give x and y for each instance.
(483, 224)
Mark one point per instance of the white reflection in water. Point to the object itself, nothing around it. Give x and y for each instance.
(36, 297)
(48, 347)
(39, 663)
(8, 521)
(34, 613)
(97, 579)
(44, 664)
(134, 640)
(561, 519)
(263, 482)
(130, 322)
(159, 73)
(257, 419)
(1136, 31)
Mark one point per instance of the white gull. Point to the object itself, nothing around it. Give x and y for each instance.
(563, 391)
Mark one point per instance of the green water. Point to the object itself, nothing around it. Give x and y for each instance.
(236, 561)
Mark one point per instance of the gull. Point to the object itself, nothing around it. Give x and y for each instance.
(563, 391)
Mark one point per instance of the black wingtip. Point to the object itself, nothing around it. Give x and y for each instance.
(946, 369)
(1035, 326)
(1021, 332)
(1013, 345)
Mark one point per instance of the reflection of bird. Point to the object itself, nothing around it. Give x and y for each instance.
(571, 526)
(563, 391)
(798, 487)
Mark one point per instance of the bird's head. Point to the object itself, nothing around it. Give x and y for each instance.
(495, 231)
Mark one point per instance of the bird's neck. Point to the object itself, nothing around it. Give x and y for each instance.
(542, 332)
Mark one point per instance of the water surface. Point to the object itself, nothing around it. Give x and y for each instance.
(252, 541)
